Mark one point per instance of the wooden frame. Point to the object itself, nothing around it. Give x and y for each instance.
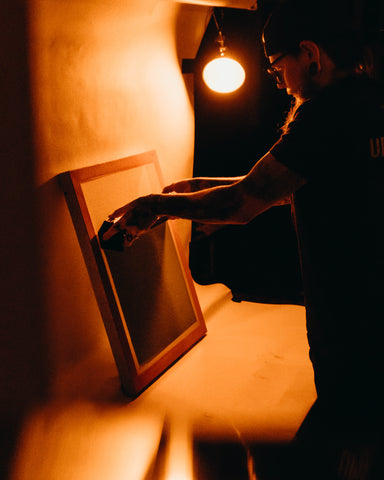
(145, 294)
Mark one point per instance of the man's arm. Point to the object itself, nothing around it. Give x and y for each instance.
(199, 183)
(267, 184)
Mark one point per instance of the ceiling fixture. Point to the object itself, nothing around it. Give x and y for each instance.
(223, 74)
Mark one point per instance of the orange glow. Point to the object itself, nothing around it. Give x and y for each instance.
(84, 440)
(224, 75)
(180, 452)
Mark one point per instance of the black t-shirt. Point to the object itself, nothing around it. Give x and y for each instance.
(336, 142)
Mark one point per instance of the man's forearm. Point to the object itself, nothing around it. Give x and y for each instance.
(199, 183)
(202, 183)
(237, 202)
(224, 204)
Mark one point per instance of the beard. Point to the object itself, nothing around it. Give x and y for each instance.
(307, 90)
(297, 101)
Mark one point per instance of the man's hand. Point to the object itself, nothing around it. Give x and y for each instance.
(132, 220)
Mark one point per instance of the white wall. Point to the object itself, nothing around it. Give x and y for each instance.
(106, 84)
(88, 81)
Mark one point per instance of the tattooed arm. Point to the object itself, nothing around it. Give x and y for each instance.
(268, 184)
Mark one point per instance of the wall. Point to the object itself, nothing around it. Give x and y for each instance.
(107, 84)
(87, 81)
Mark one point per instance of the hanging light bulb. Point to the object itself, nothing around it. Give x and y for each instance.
(223, 74)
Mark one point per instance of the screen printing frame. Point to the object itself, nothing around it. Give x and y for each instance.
(135, 375)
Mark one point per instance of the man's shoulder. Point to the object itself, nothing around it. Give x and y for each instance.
(356, 100)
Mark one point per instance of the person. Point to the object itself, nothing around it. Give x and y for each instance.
(327, 164)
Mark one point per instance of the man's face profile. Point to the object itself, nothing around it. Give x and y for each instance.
(291, 73)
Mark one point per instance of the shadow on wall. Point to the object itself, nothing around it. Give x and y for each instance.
(190, 26)
(23, 375)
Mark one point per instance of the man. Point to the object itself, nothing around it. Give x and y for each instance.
(326, 164)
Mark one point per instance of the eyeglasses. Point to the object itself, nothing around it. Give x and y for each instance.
(276, 73)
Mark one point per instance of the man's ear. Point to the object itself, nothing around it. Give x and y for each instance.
(312, 56)
(311, 50)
